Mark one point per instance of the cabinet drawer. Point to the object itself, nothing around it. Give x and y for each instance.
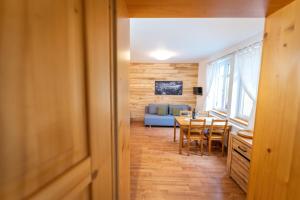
(241, 148)
(240, 165)
(244, 162)
(239, 180)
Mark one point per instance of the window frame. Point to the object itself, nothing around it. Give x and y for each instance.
(228, 60)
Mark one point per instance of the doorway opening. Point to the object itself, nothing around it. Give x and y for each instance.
(208, 67)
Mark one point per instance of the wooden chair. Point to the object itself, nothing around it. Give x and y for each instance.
(217, 132)
(195, 132)
(187, 113)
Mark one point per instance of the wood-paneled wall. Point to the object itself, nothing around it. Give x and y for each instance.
(142, 77)
(203, 8)
(276, 150)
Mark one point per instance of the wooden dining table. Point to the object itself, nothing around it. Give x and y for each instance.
(183, 122)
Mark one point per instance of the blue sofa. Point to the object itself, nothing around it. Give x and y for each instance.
(153, 119)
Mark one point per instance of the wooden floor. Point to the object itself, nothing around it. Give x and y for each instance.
(159, 172)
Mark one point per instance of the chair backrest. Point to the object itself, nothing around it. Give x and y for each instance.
(187, 113)
(218, 126)
(197, 125)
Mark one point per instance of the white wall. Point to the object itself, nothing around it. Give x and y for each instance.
(201, 83)
(202, 65)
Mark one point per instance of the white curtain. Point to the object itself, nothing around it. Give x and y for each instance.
(247, 68)
(211, 71)
(246, 76)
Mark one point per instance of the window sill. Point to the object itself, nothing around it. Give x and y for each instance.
(240, 121)
(223, 114)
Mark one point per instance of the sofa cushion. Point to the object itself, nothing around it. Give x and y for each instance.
(157, 120)
(180, 107)
(146, 109)
(176, 111)
(162, 110)
(154, 107)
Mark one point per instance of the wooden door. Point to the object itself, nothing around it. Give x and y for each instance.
(276, 150)
(44, 150)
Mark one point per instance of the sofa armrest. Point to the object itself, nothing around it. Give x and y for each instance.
(146, 109)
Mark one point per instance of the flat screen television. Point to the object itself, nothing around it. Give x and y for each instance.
(197, 90)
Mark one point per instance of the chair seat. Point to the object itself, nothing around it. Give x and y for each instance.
(202, 137)
(218, 131)
(196, 135)
(192, 130)
(215, 136)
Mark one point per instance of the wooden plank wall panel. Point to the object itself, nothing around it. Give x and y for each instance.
(203, 8)
(142, 77)
(276, 149)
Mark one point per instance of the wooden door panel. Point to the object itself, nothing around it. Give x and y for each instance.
(83, 195)
(274, 171)
(100, 90)
(123, 117)
(42, 93)
(70, 185)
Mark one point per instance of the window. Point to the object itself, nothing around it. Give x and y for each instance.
(247, 65)
(222, 85)
(232, 84)
(245, 104)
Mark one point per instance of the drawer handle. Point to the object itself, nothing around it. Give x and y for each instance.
(242, 149)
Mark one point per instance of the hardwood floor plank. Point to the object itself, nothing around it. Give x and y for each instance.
(159, 172)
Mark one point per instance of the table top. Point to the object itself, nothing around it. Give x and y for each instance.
(185, 121)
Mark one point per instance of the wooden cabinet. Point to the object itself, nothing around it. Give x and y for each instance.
(238, 161)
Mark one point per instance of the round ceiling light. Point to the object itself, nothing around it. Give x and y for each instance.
(162, 54)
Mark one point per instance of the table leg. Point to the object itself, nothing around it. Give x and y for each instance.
(180, 140)
(174, 130)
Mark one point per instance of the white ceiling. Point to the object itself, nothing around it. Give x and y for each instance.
(190, 39)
